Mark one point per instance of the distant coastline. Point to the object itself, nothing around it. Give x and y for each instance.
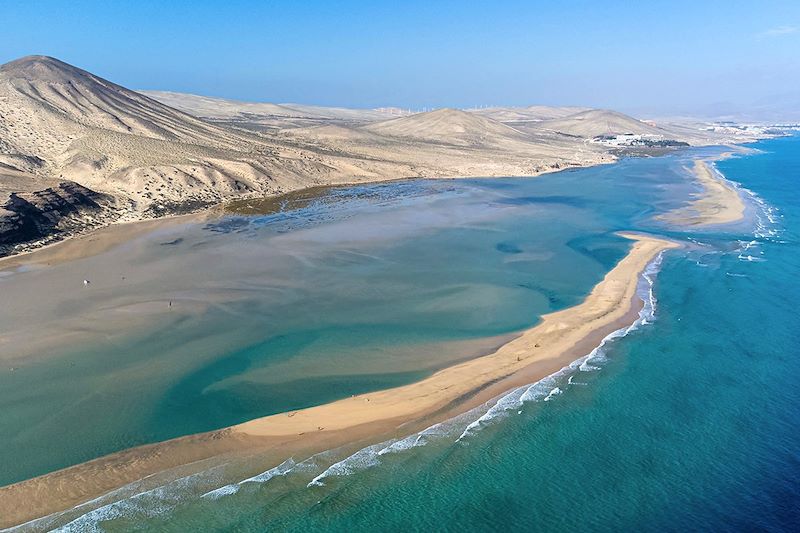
(710, 208)
(135, 222)
(162, 154)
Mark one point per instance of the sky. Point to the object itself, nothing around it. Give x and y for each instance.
(676, 57)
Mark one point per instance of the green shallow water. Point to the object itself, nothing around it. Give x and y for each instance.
(686, 423)
(367, 288)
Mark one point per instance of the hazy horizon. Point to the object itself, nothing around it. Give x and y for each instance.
(660, 59)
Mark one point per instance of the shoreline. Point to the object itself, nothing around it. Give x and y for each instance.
(718, 203)
(550, 339)
(90, 232)
(117, 232)
(557, 340)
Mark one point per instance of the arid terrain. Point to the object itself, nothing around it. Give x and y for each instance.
(78, 151)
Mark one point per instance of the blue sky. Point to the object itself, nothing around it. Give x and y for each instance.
(656, 56)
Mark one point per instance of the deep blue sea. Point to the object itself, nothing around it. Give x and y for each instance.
(689, 422)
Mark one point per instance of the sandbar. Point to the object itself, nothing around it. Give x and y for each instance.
(557, 340)
(718, 203)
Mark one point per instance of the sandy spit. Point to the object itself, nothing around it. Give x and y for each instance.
(559, 339)
(718, 203)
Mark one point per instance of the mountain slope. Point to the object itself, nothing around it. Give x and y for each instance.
(65, 93)
(526, 114)
(60, 122)
(451, 126)
(597, 122)
(76, 149)
(264, 114)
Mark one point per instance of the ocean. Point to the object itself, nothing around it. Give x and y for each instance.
(688, 420)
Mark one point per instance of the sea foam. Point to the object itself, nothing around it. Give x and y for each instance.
(226, 490)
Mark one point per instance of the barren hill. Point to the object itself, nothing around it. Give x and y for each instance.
(532, 113)
(60, 92)
(451, 126)
(449, 142)
(597, 122)
(77, 150)
(59, 122)
(267, 115)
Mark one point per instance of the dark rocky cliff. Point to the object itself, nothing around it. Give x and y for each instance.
(51, 214)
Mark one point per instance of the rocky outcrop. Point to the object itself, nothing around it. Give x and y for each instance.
(51, 214)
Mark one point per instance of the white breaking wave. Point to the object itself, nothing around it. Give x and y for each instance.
(124, 501)
(646, 315)
(149, 503)
(571, 381)
(362, 459)
(751, 258)
(280, 470)
(545, 387)
(370, 456)
(735, 275)
(767, 217)
(766, 229)
(555, 392)
(418, 439)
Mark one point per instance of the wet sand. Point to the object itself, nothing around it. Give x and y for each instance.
(96, 241)
(559, 339)
(719, 203)
(550, 339)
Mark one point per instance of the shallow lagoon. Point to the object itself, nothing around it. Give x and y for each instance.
(197, 326)
(688, 423)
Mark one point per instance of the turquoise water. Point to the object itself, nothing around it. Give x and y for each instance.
(367, 288)
(689, 422)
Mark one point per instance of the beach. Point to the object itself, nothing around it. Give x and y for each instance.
(554, 337)
(557, 340)
(718, 203)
